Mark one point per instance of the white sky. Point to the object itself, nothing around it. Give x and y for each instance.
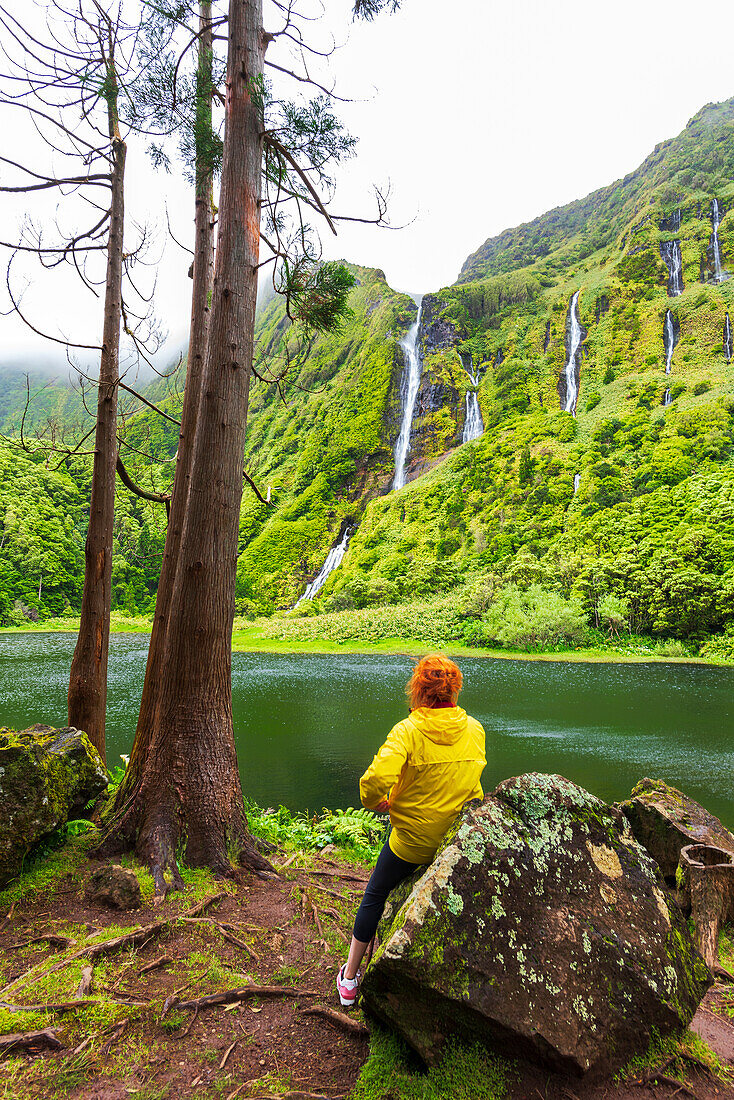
(480, 114)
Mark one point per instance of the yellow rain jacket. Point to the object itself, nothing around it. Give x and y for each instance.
(428, 768)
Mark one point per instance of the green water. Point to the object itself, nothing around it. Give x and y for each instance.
(307, 726)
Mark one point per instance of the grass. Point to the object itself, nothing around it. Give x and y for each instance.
(255, 639)
(392, 1072)
(248, 637)
(674, 1055)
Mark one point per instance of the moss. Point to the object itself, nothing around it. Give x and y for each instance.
(464, 1073)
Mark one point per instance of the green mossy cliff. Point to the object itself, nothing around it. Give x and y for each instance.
(548, 526)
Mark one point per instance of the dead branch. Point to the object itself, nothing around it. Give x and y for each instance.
(227, 1053)
(145, 494)
(339, 1019)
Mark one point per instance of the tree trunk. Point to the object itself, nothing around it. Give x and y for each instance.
(189, 791)
(707, 884)
(203, 272)
(87, 699)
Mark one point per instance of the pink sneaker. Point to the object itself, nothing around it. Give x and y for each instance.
(347, 988)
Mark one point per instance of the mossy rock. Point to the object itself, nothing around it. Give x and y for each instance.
(664, 820)
(47, 777)
(541, 927)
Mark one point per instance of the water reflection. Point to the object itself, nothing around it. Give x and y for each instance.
(307, 726)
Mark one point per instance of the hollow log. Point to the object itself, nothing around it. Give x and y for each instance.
(706, 878)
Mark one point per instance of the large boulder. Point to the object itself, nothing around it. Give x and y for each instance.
(541, 929)
(664, 821)
(47, 777)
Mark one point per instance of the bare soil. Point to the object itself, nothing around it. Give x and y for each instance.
(263, 1046)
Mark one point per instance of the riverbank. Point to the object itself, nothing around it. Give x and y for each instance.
(249, 637)
(143, 1030)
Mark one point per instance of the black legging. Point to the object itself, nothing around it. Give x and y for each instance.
(389, 871)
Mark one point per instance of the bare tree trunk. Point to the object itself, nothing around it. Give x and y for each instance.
(189, 791)
(87, 700)
(203, 274)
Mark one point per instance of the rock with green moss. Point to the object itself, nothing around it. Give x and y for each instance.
(113, 886)
(664, 820)
(47, 777)
(542, 929)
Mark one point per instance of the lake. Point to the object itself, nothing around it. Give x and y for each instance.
(307, 726)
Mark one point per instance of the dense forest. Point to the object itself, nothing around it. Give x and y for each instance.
(548, 530)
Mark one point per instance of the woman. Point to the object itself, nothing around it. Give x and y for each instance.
(427, 769)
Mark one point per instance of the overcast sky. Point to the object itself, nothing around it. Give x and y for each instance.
(479, 114)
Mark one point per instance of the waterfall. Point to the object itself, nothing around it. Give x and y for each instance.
(670, 252)
(669, 340)
(719, 274)
(333, 561)
(667, 398)
(576, 483)
(574, 336)
(728, 342)
(473, 423)
(409, 393)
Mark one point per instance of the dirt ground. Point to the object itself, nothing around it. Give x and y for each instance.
(125, 1040)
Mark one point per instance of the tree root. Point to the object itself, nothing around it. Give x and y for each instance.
(227, 931)
(62, 1006)
(334, 874)
(97, 950)
(339, 1019)
(242, 994)
(58, 942)
(46, 1038)
(164, 960)
(85, 985)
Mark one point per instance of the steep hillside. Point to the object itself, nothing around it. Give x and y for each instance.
(569, 454)
(624, 510)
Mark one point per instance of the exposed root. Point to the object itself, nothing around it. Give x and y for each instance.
(339, 1019)
(85, 985)
(94, 951)
(164, 960)
(230, 996)
(31, 1041)
(60, 943)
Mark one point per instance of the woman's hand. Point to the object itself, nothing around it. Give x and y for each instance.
(382, 807)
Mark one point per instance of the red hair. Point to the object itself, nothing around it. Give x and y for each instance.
(435, 679)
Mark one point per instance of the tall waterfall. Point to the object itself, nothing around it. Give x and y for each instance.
(333, 561)
(667, 398)
(669, 340)
(574, 337)
(728, 341)
(576, 483)
(409, 393)
(670, 251)
(473, 423)
(719, 274)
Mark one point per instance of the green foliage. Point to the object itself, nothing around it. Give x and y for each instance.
(358, 833)
(464, 1073)
(534, 618)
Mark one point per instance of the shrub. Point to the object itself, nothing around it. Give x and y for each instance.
(535, 619)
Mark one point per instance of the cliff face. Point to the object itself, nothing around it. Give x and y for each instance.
(596, 501)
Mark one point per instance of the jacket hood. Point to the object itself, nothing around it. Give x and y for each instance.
(443, 726)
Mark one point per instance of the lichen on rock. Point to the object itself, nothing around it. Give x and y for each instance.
(47, 777)
(542, 928)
